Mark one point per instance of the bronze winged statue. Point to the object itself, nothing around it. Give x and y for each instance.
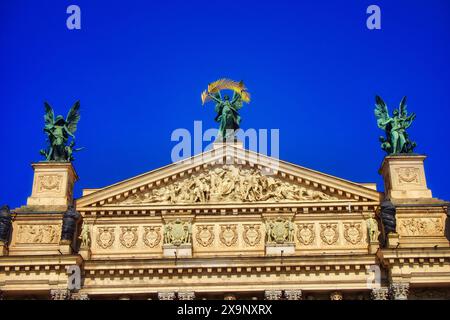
(396, 140)
(227, 109)
(59, 131)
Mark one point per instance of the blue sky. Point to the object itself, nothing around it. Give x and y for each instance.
(138, 68)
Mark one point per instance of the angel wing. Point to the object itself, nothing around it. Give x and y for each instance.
(402, 108)
(49, 116)
(73, 117)
(381, 112)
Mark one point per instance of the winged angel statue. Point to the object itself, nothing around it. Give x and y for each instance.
(226, 108)
(59, 131)
(396, 140)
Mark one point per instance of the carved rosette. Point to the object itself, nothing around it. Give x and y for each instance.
(105, 237)
(329, 233)
(252, 234)
(306, 233)
(205, 235)
(152, 236)
(128, 237)
(352, 232)
(228, 234)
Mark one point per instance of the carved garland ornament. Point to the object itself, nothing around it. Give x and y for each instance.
(408, 175)
(228, 234)
(329, 233)
(306, 233)
(50, 182)
(128, 237)
(152, 236)
(105, 237)
(352, 232)
(205, 235)
(252, 234)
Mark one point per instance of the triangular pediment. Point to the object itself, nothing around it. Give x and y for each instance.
(228, 174)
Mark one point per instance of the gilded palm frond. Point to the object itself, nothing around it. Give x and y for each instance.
(221, 84)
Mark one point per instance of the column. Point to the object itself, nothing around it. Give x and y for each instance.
(399, 291)
(186, 295)
(60, 294)
(272, 294)
(80, 296)
(293, 294)
(166, 295)
(380, 294)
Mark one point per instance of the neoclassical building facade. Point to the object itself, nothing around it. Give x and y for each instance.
(229, 224)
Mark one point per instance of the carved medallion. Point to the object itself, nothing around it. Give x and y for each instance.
(51, 182)
(128, 237)
(408, 175)
(279, 231)
(252, 234)
(152, 236)
(306, 233)
(228, 235)
(177, 232)
(352, 232)
(105, 237)
(329, 233)
(205, 235)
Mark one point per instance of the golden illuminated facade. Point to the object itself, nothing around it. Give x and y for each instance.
(230, 224)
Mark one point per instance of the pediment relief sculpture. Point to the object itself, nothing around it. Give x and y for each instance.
(228, 184)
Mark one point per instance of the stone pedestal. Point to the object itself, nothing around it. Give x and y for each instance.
(3, 249)
(393, 240)
(64, 247)
(52, 184)
(181, 251)
(373, 247)
(85, 253)
(275, 249)
(404, 177)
